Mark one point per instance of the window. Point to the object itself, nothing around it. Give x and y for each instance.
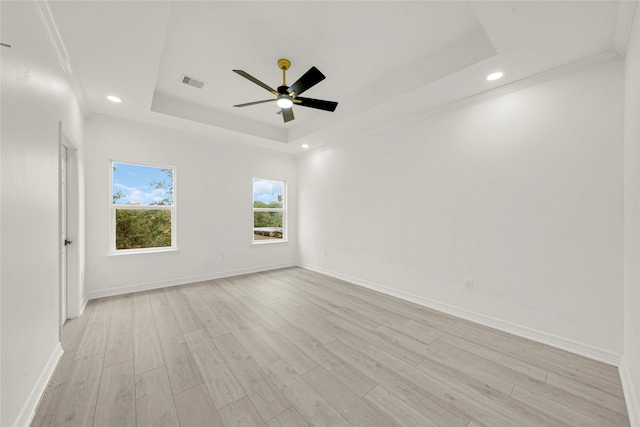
(269, 211)
(143, 210)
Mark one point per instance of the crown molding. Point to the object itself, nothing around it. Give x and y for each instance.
(529, 81)
(624, 23)
(51, 30)
(551, 74)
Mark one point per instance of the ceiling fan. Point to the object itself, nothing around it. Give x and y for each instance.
(287, 96)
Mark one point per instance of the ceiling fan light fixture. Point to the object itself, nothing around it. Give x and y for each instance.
(284, 101)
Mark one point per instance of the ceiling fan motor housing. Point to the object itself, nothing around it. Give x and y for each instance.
(282, 90)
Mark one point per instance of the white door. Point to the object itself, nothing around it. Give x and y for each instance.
(64, 241)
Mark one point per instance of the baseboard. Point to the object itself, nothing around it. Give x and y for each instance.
(184, 280)
(83, 305)
(575, 347)
(630, 394)
(29, 409)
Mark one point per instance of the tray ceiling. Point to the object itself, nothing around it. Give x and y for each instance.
(382, 59)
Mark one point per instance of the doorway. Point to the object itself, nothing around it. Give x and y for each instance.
(64, 219)
(70, 271)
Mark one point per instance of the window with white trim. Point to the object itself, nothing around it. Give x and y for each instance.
(143, 208)
(269, 211)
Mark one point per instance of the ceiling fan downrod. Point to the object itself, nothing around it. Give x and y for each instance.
(284, 65)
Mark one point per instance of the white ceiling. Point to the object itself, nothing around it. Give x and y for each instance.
(383, 60)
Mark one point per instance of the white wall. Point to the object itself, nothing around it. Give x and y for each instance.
(214, 190)
(522, 194)
(35, 97)
(631, 365)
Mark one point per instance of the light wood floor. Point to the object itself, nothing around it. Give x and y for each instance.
(295, 348)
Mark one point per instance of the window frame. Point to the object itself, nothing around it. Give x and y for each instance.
(283, 210)
(113, 207)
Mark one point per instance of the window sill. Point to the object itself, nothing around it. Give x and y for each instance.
(268, 242)
(142, 252)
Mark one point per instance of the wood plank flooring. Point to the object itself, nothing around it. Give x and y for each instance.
(295, 348)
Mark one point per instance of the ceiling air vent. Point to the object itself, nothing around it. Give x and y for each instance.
(191, 81)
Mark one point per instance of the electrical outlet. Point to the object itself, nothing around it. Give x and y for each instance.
(468, 284)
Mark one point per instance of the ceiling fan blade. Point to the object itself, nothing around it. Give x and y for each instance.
(287, 114)
(308, 80)
(317, 103)
(256, 81)
(254, 103)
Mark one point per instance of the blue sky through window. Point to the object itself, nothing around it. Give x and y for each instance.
(135, 184)
(267, 191)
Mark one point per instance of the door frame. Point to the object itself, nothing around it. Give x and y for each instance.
(74, 278)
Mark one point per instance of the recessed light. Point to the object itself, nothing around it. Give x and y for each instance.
(305, 145)
(495, 76)
(114, 98)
